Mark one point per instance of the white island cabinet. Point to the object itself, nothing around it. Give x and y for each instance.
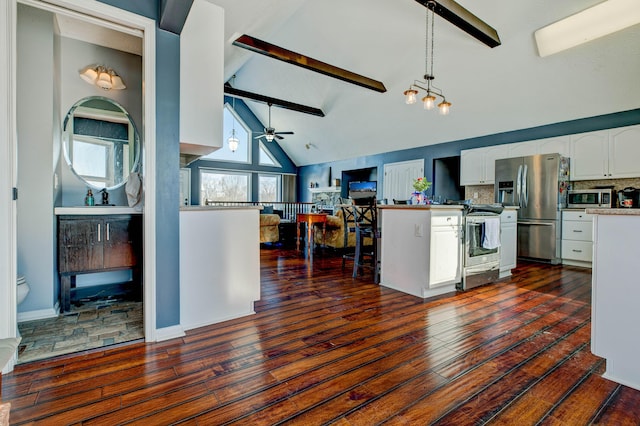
(508, 240)
(421, 248)
(616, 293)
(219, 264)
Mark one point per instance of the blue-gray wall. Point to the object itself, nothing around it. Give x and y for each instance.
(256, 127)
(320, 172)
(167, 164)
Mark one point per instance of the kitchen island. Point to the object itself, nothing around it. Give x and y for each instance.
(421, 248)
(616, 293)
(219, 263)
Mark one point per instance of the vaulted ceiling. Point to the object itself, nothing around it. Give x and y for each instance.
(495, 90)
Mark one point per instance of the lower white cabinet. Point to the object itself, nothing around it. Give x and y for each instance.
(577, 238)
(508, 241)
(421, 248)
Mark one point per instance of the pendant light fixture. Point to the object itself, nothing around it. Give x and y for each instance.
(411, 94)
(233, 141)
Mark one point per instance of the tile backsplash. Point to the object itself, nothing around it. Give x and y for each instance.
(484, 193)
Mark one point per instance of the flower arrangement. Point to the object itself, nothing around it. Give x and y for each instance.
(421, 184)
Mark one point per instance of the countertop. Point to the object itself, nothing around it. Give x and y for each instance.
(96, 210)
(615, 212)
(219, 208)
(419, 207)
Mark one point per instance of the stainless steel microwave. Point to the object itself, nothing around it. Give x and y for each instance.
(590, 198)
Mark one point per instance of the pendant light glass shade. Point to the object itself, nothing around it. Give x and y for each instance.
(233, 142)
(429, 101)
(444, 107)
(410, 96)
(104, 81)
(269, 137)
(117, 82)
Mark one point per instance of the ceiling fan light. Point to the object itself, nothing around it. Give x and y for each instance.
(104, 81)
(269, 137)
(410, 96)
(429, 101)
(89, 74)
(444, 107)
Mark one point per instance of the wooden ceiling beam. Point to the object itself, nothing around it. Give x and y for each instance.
(465, 20)
(256, 97)
(276, 52)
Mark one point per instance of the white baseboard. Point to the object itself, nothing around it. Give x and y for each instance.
(167, 333)
(39, 314)
(220, 319)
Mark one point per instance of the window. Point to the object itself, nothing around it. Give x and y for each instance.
(270, 188)
(233, 122)
(266, 158)
(224, 186)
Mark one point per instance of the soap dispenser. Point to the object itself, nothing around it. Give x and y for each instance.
(88, 200)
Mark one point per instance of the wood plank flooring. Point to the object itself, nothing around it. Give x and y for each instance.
(324, 348)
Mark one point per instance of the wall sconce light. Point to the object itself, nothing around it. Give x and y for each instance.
(103, 77)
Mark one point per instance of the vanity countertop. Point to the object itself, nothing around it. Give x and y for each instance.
(96, 210)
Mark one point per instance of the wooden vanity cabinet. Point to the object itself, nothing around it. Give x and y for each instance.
(88, 244)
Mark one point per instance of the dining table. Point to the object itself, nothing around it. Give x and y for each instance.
(310, 220)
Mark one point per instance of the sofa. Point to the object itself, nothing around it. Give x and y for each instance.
(269, 228)
(335, 232)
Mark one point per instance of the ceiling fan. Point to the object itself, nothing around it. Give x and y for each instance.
(270, 133)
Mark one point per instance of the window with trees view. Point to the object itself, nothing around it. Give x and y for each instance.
(224, 186)
(270, 187)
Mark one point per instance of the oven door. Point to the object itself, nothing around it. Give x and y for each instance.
(475, 254)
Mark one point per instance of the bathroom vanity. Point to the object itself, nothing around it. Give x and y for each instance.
(96, 239)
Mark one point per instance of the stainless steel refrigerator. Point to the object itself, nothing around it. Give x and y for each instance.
(537, 184)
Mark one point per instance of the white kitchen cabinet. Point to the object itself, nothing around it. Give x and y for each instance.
(560, 145)
(477, 166)
(421, 249)
(606, 154)
(577, 238)
(624, 152)
(523, 149)
(508, 241)
(445, 249)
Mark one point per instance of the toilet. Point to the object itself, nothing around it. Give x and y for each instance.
(21, 294)
(23, 290)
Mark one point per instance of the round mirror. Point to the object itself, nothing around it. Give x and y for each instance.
(101, 142)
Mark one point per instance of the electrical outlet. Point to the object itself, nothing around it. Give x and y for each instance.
(417, 229)
(475, 195)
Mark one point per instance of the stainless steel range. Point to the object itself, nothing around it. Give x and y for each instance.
(480, 262)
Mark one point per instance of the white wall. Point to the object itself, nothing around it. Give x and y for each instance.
(35, 116)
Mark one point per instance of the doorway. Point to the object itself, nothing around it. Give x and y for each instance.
(11, 116)
(446, 179)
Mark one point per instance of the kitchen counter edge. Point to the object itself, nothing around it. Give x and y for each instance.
(614, 212)
(419, 207)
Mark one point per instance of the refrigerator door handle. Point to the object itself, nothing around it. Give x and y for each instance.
(519, 186)
(525, 191)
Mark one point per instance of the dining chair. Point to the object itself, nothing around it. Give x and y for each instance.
(366, 224)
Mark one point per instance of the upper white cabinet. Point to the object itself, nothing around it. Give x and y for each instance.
(201, 79)
(606, 154)
(477, 166)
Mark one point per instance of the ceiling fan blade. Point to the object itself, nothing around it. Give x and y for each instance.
(284, 133)
(278, 136)
(259, 136)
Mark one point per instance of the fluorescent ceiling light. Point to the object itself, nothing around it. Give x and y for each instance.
(597, 21)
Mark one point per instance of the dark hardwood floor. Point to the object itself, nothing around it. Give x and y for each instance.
(326, 349)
